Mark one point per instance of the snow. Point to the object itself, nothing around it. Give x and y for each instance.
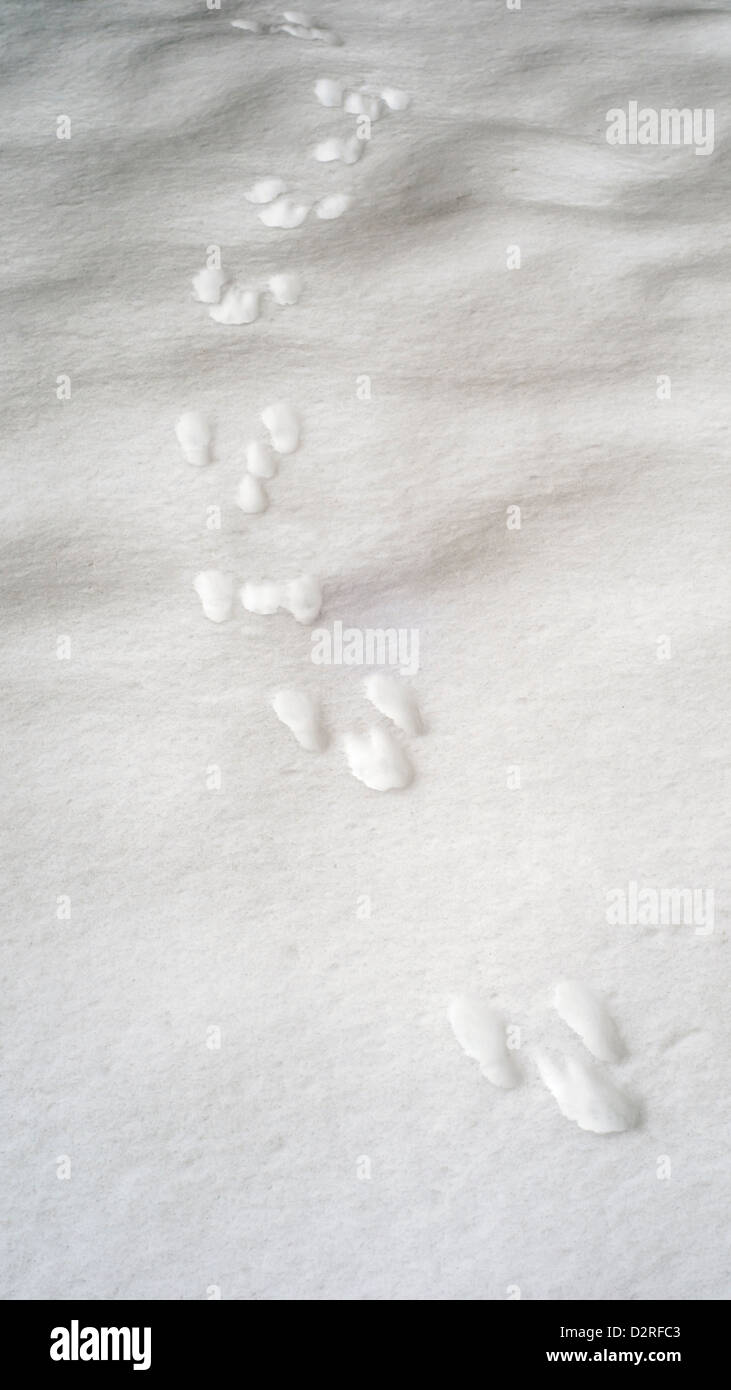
(260, 460)
(300, 714)
(282, 422)
(481, 1033)
(377, 760)
(266, 190)
(302, 597)
(329, 91)
(587, 1096)
(333, 206)
(589, 1017)
(261, 596)
(251, 495)
(228, 962)
(286, 288)
(207, 285)
(284, 213)
(194, 436)
(360, 104)
(239, 305)
(396, 700)
(349, 151)
(215, 591)
(395, 99)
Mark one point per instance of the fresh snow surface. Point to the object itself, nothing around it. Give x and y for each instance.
(230, 966)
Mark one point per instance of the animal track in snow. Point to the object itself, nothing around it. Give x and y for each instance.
(301, 715)
(282, 422)
(215, 591)
(261, 597)
(207, 285)
(377, 760)
(252, 26)
(349, 151)
(252, 496)
(396, 700)
(301, 597)
(328, 151)
(480, 1031)
(588, 1016)
(332, 206)
(329, 92)
(395, 99)
(286, 288)
(293, 23)
(360, 104)
(193, 434)
(266, 190)
(284, 212)
(237, 306)
(583, 1091)
(260, 459)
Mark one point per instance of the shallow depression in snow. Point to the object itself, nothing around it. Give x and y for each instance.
(377, 760)
(481, 1033)
(396, 700)
(583, 1011)
(301, 715)
(282, 422)
(587, 1095)
(194, 436)
(215, 591)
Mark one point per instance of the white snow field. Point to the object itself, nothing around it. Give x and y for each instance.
(230, 965)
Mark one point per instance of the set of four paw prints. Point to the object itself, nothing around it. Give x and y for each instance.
(378, 757)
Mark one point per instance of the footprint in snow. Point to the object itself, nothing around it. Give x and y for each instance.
(302, 597)
(285, 288)
(232, 303)
(584, 1092)
(237, 306)
(396, 700)
(481, 1033)
(301, 715)
(277, 209)
(284, 212)
(215, 591)
(377, 760)
(252, 496)
(194, 436)
(293, 23)
(207, 285)
(332, 206)
(335, 94)
(361, 104)
(349, 151)
(282, 422)
(260, 459)
(266, 190)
